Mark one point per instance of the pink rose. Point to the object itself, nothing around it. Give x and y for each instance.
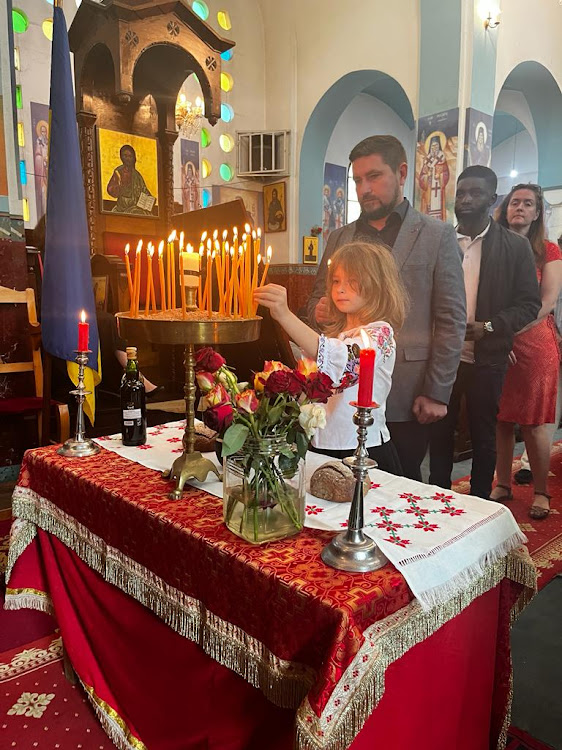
(247, 401)
(217, 395)
(205, 380)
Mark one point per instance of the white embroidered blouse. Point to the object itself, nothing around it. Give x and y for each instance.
(339, 359)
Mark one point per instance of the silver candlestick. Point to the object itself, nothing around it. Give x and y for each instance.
(351, 550)
(80, 446)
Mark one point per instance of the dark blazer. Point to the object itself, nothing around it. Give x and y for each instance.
(508, 292)
(429, 344)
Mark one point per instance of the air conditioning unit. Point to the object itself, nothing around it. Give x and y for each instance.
(263, 153)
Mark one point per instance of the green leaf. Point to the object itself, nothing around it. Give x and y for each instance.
(302, 444)
(275, 413)
(234, 438)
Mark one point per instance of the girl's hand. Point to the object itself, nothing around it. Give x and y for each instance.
(274, 297)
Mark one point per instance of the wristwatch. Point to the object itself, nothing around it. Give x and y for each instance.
(488, 327)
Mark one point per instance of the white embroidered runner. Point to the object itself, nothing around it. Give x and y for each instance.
(438, 539)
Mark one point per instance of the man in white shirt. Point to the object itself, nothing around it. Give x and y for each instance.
(502, 296)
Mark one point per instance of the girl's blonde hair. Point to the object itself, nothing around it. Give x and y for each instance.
(371, 267)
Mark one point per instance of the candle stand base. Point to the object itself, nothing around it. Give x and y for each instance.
(189, 466)
(353, 552)
(78, 448)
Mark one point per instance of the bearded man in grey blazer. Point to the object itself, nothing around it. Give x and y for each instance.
(429, 261)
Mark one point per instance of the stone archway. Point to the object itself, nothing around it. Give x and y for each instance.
(322, 122)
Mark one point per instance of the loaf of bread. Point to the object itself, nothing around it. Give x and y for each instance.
(205, 439)
(334, 481)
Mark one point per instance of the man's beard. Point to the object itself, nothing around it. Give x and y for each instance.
(384, 209)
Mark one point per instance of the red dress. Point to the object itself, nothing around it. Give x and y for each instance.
(530, 387)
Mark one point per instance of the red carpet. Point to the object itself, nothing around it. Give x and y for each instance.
(39, 708)
(545, 537)
(517, 739)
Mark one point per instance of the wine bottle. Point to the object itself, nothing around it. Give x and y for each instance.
(133, 402)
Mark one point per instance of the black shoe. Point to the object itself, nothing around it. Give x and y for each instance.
(523, 476)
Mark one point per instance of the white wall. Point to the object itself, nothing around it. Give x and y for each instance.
(518, 152)
(363, 117)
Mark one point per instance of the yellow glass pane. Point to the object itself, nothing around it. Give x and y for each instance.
(223, 17)
(206, 168)
(227, 82)
(47, 27)
(21, 135)
(226, 142)
(25, 209)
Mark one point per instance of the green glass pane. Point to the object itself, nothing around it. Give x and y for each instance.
(225, 171)
(201, 9)
(19, 98)
(19, 19)
(205, 138)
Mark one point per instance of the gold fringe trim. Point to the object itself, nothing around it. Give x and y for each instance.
(283, 682)
(22, 533)
(28, 599)
(113, 725)
(361, 687)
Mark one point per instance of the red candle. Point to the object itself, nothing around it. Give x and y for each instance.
(83, 333)
(366, 373)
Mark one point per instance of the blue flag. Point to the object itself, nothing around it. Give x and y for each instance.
(67, 276)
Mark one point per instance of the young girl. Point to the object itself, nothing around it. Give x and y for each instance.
(364, 292)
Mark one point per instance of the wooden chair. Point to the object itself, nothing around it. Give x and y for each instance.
(24, 405)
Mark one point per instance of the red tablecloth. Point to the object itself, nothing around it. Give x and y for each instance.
(275, 615)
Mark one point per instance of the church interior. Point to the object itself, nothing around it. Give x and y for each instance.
(162, 163)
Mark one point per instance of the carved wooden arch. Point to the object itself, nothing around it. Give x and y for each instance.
(129, 27)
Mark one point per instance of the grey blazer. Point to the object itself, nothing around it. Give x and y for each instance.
(429, 344)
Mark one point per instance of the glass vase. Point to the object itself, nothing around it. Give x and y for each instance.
(264, 491)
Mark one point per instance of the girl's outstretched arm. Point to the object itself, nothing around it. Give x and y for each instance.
(274, 297)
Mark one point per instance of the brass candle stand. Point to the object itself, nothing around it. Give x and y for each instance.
(80, 446)
(198, 328)
(352, 550)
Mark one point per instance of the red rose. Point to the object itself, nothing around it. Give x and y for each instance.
(318, 387)
(284, 381)
(208, 359)
(219, 418)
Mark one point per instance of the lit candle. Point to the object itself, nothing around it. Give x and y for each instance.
(267, 262)
(173, 251)
(129, 277)
(161, 275)
(366, 372)
(210, 259)
(182, 285)
(255, 283)
(227, 279)
(83, 333)
(201, 296)
(148, 274)
(137, 281)
(170, 279)
(152, 290)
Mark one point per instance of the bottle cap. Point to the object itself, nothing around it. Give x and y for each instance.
(131, 352)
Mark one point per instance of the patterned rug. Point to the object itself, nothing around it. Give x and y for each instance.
(517, 739)
(39, 708)
(545, 537)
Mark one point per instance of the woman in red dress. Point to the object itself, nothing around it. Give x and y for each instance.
(529, 391)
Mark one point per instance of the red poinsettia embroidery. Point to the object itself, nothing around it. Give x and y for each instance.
(383, 511)
(426, 526)
(419, 511)
(409, 496)
(177, 450)
(452, 511)
(388, 525)
(145, 447)
(374, 486)
(314, 510)
(173, 440)
(344, 525)
(441, 496)
(398, 541)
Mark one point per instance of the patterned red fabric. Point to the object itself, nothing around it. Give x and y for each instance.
(530, 386)
(316, 616)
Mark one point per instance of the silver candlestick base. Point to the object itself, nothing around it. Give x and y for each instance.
(351, 550)
(80, 446)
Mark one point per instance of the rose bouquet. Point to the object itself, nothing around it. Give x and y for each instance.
(265, 435)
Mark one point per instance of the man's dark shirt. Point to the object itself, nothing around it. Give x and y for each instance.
(364, 232)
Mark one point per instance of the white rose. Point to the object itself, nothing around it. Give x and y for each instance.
(312, 418)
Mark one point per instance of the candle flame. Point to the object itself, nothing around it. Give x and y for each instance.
(139, 246)
(254, 235)
(269, 253)
(235, 231)
(172, 236)
(259, 231)
(215, 234)
(83, 316)
(181, 240)
(204, 236)
(217, 245)
(259, 258)
(247, 228)
(201, 251)
(226, 246)
(150, 250)
(225, 234)
(189, 247)
(209, 244)
(232, 252)
(127, 248)
(365, 339)
(213, 255)
(161, 248)
(329, 262)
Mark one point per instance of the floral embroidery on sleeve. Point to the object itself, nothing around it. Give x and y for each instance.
(383, 337)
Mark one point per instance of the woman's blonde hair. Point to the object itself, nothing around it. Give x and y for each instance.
(371, 267)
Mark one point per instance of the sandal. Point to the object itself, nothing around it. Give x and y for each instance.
(508, 495)
(536, 511)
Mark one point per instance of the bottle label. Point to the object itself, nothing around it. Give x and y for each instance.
(131, 414)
